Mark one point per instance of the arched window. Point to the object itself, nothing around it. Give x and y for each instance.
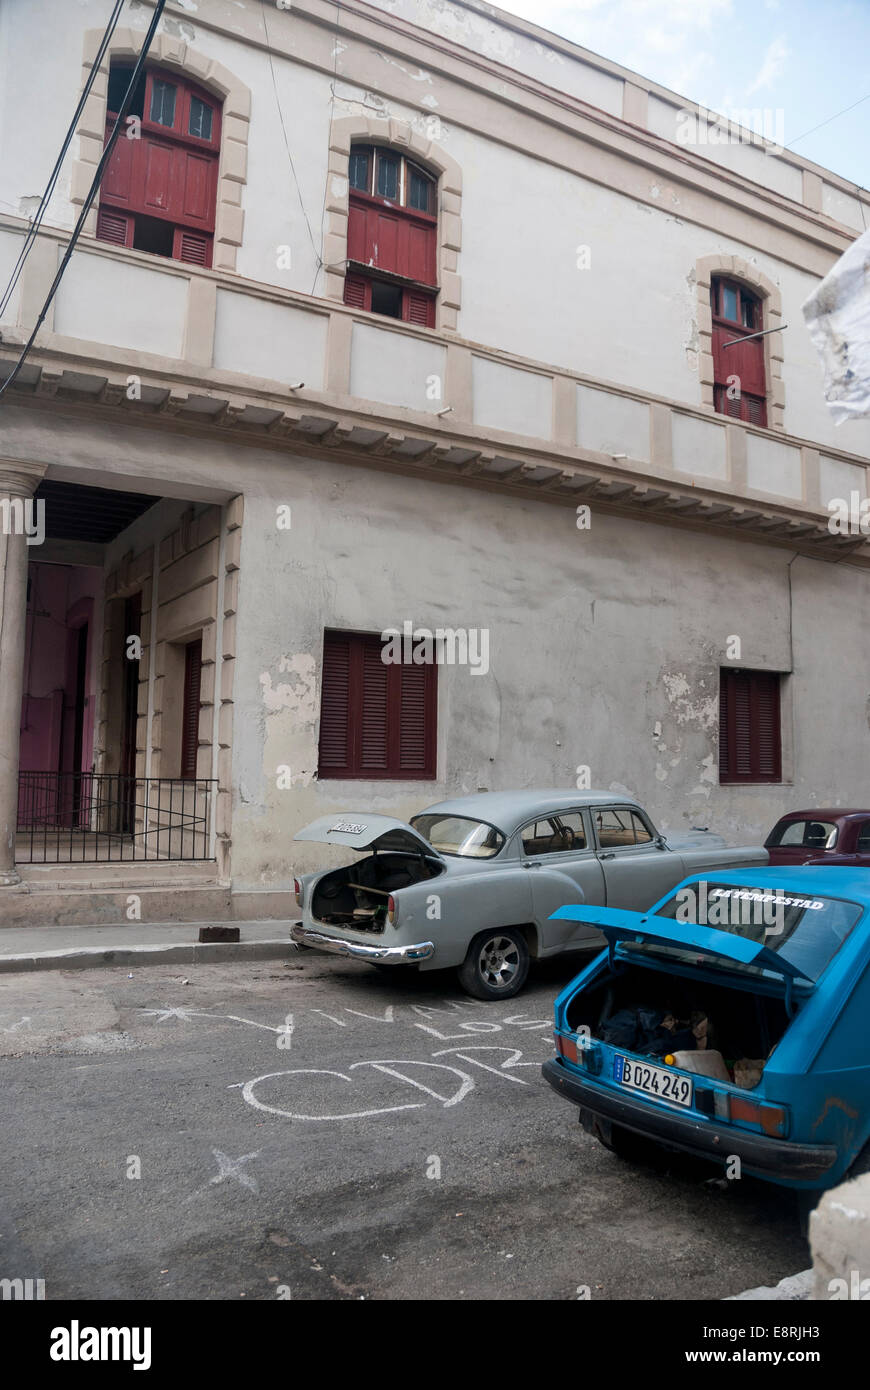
(392, 235)
(739, 387)
(159, 191)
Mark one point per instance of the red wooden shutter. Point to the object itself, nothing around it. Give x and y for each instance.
(168, 173)
(190, 715)
(416, 726)
(116, 227)
(735, 358)
(419, 307)
(749, 727)
(377, 720)
(335, 751)
(192, 247)
(756, 411)
(373, 717)
(357, 291)
(118, 179)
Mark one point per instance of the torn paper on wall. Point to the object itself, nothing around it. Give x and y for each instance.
(837, 314)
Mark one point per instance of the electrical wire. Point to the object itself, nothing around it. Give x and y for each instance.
(828, 121)
(92, 191)
(38, 216)
(335, 48)
(284, 131)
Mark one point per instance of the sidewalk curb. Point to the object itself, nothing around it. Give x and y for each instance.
(189, 953)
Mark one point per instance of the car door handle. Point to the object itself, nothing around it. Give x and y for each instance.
(531, 864)
(611, 854)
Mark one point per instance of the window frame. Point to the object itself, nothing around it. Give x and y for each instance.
(354, 769)
(189, 751)
(187, 89)
(730, 776)
(373, 153)
(631, 811)
(120, 220)
(736, 328)
(580, 811)
(418, 298)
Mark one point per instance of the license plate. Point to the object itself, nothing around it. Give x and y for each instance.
(664, 1085)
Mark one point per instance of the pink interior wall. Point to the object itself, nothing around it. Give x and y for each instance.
(61, 597)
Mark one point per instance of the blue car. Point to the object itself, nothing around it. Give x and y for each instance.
(730, 1022)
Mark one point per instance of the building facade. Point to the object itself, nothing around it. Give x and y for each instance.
(402, 317)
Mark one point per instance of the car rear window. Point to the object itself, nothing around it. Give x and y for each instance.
(803, 834)
(460, 835)
(807, 930)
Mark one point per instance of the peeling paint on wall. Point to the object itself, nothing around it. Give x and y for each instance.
(298, 697)
(688, 707)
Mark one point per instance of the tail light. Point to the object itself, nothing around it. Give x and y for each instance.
(392, 910)
(566, 1047)
(755, 1114)
(297, 888)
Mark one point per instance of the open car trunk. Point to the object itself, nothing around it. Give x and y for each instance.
(357, 895)
(713, 1029)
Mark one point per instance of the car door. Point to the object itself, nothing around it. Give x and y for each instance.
(558, 855)
(638, 869)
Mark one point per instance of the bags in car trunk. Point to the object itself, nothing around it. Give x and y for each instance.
(657, 1014)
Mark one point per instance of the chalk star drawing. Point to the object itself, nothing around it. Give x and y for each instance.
(187, 1014)
(168, 1011)
(231, 1168)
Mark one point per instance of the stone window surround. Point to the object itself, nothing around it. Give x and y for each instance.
(170, 52)
(735, 268)
(347, 130)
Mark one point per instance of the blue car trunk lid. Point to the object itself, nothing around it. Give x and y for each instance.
(620, 926)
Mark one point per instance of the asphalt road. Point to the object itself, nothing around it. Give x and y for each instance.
(317, 1129)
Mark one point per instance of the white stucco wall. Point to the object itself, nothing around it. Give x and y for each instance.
(626, 312)
(604, 644)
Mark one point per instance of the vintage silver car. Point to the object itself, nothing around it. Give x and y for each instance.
(471, 883)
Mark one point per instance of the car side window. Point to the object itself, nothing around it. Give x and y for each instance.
(619, 827)
(862, 845)
(556, 833)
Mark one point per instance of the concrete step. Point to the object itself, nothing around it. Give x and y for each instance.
(90, 903)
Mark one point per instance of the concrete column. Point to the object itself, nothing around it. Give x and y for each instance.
(18, 482)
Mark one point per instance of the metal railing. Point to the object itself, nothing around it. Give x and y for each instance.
(101, 818)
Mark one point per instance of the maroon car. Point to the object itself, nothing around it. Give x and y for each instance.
(832, 836)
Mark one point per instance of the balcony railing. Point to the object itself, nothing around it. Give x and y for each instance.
(100, 818)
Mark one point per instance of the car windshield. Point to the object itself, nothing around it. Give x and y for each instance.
(807, 931)
(459, 835)
(803, 834)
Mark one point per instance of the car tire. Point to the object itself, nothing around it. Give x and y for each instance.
(497, 964)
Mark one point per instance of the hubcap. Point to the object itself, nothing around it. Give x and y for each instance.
(499, 961)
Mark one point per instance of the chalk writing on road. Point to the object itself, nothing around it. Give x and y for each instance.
(451, 1090)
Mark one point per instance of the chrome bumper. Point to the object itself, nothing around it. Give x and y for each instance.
(384, 955)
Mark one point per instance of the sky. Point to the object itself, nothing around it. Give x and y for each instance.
(808, 59)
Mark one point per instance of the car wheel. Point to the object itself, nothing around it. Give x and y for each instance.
(496, 965)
